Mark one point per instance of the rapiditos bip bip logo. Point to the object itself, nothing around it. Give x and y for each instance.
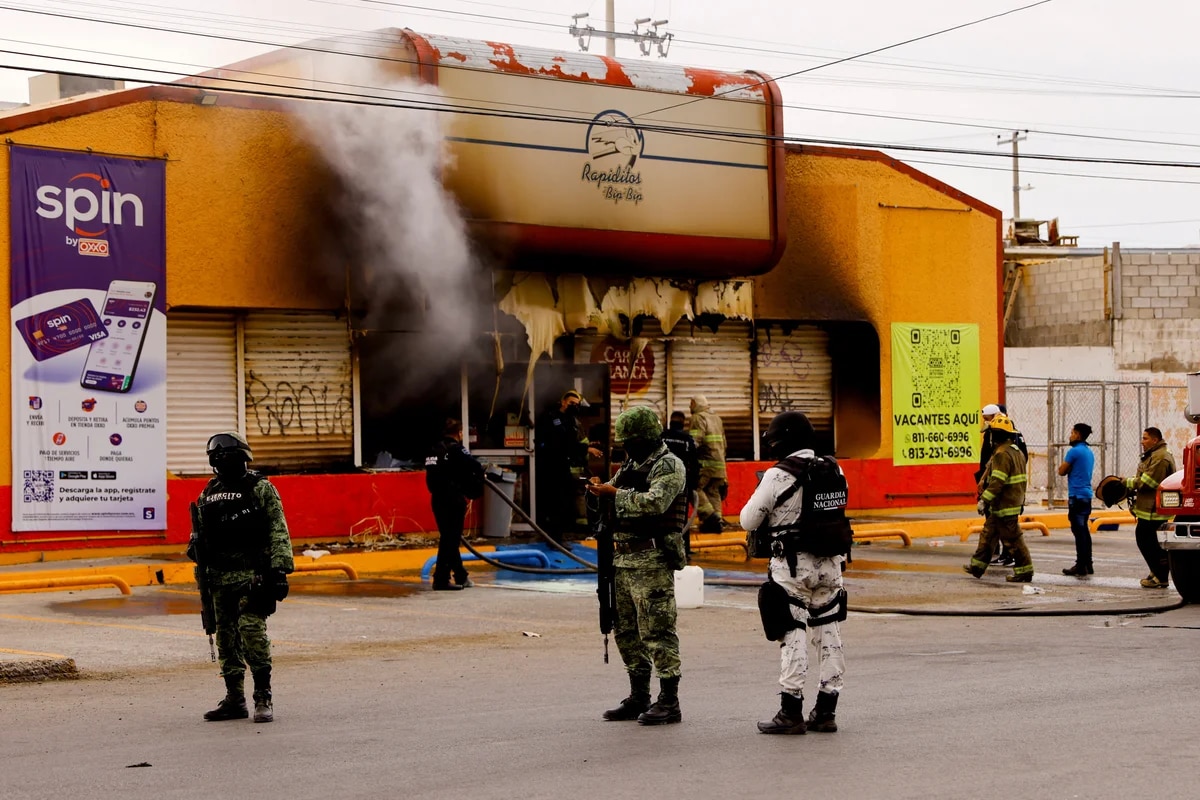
(89, 206)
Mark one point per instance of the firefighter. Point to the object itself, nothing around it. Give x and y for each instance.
(1000, 502)
(709, 433)
(1156, 464)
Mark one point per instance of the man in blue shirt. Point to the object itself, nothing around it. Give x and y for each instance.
(1077, 465)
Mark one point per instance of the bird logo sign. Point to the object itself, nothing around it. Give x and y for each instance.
(614, 145)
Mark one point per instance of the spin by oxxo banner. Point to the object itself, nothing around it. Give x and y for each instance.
(935, 394)
(89, 341)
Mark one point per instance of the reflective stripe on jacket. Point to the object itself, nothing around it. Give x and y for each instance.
(1156, 465)
(1004, 482)
(709, 433)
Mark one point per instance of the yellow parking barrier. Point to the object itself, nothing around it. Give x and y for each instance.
(66, 583)
(885, 533)
(703, 544)
(1116, 518)
(1028, 525)
(329, 566)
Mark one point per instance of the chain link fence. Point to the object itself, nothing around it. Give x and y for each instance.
(1045, 410)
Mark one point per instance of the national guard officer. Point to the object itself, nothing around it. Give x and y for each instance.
(797, 516)
(452, 476)
(650, 510)
(243, 554)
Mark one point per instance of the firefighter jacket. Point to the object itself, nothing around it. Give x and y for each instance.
(1004, 481)
(1153, 469)
(709, 433)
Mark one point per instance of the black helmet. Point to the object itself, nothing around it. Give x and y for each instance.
(221, 443)
(787, 433)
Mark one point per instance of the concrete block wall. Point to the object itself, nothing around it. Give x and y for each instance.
(1159, 329)
(1060, 303)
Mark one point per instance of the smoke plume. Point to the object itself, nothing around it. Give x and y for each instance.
(415, 282)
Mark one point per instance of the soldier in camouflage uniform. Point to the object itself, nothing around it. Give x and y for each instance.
(651, 509)
(243, 548)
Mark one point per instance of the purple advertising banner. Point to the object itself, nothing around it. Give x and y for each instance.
(89, 341)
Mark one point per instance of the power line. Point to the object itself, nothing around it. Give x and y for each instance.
(711, 133)
(866, 53)
(382, 41)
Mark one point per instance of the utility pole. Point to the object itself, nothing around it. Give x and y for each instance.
(645, 39)
(1017, 136)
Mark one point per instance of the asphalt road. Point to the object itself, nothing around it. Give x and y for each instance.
(385, 689)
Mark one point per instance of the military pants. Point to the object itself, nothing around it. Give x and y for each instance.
(645, 624)
(712, 492)
(241, 635)
(1007, 530)
(817, 582)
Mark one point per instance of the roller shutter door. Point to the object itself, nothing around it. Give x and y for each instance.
(201, 387)
(718, 367)
(794, 373)
(299, 393)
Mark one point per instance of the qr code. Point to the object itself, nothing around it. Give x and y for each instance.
(937, 362)
(39, 485)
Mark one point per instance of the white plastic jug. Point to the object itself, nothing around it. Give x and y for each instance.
(689, 587)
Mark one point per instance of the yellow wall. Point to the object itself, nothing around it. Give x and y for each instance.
(869, 240)
(243, 205)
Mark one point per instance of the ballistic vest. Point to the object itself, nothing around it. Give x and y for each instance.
(822, 529)
(626, 529)
(234, 526)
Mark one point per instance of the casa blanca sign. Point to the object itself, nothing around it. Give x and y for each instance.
(625, 372)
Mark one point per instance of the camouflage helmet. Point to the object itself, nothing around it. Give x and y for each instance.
(228, 440)
(638, 423)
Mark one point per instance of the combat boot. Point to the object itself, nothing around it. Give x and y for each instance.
(233, 705)
(789, 719)
(822, 719)
(637, 702)
(263, 712)
(666, 709)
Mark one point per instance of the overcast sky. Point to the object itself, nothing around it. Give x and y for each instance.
(1084, 77)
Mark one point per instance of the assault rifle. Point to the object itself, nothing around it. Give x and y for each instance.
(606, 575)
(208, 612)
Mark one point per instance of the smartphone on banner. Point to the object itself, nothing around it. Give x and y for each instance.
(111, 362)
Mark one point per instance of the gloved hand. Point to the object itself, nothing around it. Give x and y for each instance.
(278, 584)
(981, 507)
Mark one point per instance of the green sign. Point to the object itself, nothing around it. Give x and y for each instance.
(935, 394)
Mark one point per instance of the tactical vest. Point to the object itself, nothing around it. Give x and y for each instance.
(627, 529)
(234, 525)
(822, 529)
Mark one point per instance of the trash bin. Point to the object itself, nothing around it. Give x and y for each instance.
(497, 515)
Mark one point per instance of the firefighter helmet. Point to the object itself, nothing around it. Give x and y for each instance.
(1111, 490)
(637, 423)
(1002, 423)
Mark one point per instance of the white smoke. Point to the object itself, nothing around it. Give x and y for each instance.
(404, 236)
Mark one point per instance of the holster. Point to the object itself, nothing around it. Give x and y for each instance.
(673, 551)
(775, 608)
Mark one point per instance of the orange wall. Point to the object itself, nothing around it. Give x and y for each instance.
(872, 240)
(243, 204)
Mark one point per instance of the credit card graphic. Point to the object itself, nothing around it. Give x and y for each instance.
(60, 330)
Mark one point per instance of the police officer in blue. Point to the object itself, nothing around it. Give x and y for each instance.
(452, 476)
